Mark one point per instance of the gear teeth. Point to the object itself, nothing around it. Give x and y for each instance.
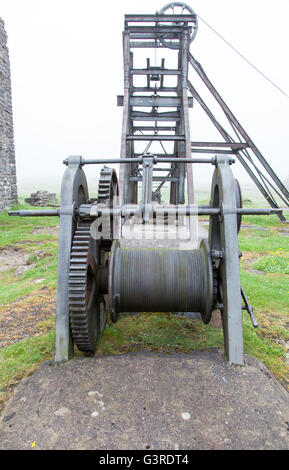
(78, 311)
(104, 185)
(107, 189)
(78, 288)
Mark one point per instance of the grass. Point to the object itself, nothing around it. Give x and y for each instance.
(18, 230)
(262, 242)
(274, 263)
(28, 235)
(21, 359)
(158, 331)
(268, 293)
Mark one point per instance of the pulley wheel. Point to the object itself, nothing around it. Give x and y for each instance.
(177, 8)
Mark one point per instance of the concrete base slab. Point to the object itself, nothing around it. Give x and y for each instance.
(147, 400)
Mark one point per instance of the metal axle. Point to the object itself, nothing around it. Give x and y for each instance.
(91, 212)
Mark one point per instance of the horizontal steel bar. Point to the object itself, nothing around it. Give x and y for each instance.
(144, 89)
(160, 155)
(156, 137)
(100, 161)
(93, 212)
(155, 71)
(157, 101)
(171, 29)
(153, 100)
(159, 18)
(187, 160)
(214, 151)
(86, 211)
(156, 178)
(232, 145)
(167, 116)
(153, 128)
(35, 213)
(150, 117)
(139, 159)
(156, 35)
(170, 114)
(146, 44)
(157, 169)
(245, 211)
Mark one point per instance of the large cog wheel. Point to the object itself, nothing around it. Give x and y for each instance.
(108, 192)
(87, 307)
(107, 186)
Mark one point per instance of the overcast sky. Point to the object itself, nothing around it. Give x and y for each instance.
(66, 65)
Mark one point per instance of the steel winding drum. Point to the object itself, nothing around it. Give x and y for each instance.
(161, 280)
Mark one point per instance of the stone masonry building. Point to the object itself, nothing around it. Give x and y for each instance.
(8, 185)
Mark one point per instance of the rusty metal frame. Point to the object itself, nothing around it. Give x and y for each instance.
(147, 31)
(135, 35)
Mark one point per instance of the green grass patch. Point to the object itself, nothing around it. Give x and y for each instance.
(262, 242)
(266, 351)
(273, 264)
(21, 359)
(262, 220)
(266, 293)
(159, 332)
(28, 235)
(16, 229)
(13, 288)
(269, 296)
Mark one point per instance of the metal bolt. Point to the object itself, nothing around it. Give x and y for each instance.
(217, 254)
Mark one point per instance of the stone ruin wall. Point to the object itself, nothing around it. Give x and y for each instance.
(8, 184)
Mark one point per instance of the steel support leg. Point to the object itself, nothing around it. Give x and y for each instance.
(74, 192)
(223, 237)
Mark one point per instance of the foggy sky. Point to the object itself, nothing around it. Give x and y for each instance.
(66, 66)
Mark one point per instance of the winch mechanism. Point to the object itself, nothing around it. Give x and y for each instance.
(96, 275)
